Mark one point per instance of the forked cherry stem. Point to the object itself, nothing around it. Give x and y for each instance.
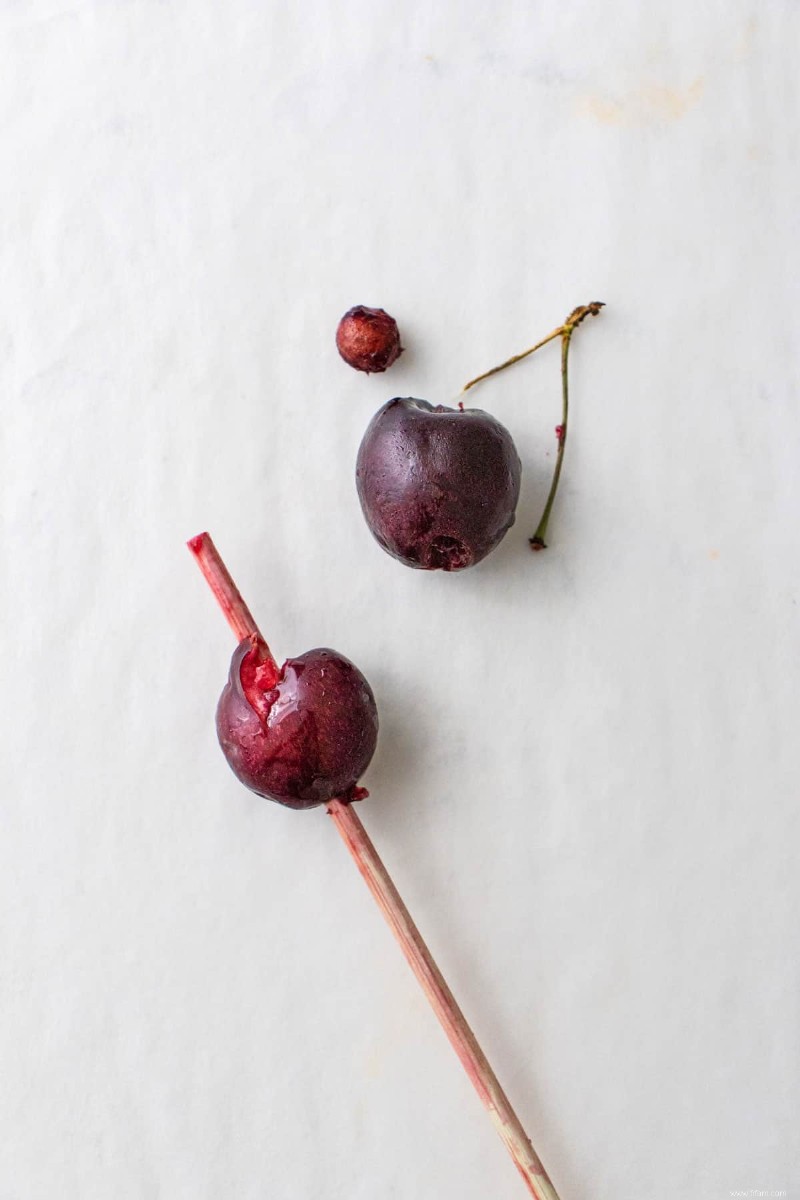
(388, 899)
(565, 332)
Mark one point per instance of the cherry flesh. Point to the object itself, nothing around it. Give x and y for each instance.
(438, 486)
(368, 339)
(301, 734)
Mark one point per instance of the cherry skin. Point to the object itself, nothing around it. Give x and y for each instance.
(438, 486)
(368, 339)
(302, 734)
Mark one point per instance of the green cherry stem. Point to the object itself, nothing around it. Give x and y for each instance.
(515, 358)
(565, 332)
(537, 542)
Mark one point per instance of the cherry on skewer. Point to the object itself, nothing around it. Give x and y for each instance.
(375, 875)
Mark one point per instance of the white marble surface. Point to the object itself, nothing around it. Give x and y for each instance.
(586, 785)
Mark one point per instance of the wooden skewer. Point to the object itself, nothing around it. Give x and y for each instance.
(442, 1000)
(397, 916)
(226, 593)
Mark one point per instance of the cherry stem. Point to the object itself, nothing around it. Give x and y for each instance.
(565, 332)
(399, 919)
(537, 542)
(514, 359)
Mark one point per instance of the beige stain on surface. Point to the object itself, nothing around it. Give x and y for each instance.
(746, 40)
(654, 104)
(647, 105)
(373, 1063)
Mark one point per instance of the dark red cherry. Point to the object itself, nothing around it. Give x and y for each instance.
(438, 486)
(368, 339)
(301, 735)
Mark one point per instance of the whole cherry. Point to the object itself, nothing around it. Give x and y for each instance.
(439, 486)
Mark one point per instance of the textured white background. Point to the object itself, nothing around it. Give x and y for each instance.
(586, 785)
